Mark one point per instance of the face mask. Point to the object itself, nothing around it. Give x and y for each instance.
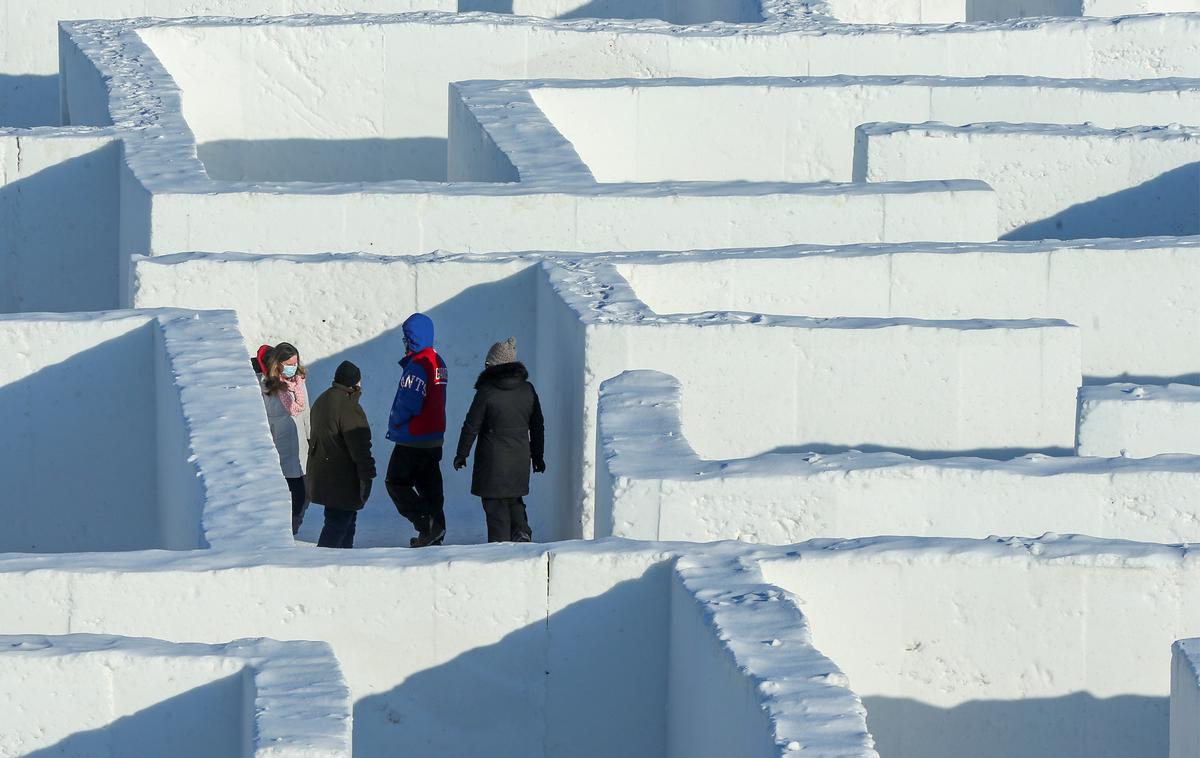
(290, 371)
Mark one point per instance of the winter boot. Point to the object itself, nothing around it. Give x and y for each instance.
(428, 539)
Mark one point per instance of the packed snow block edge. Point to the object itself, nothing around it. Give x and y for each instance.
(1185, 699)
(255, 698)
(225, 463)
(1122, 340)
(1053, 181)
(1139, 421)
(652, 485)
(744, 677)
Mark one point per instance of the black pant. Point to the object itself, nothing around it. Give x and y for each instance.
(414, 482)
(506, 520)
(339, 528)
(299, 501)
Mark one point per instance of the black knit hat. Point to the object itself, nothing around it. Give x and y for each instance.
(347, 374)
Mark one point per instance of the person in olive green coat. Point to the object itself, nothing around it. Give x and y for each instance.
(340, 466)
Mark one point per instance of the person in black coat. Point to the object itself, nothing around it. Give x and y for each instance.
(506, 417)
(340, 465)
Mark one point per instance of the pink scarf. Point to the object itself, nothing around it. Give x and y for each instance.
(295, 397)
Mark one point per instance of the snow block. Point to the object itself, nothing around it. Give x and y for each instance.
(889, 403)
(769, 129)
(1009, 638)
(1139, 421)
(1054, 182)
(1102, 286)
(1185, 699)
(134, 430)
(652, 485)
(85, 695)
(29, 87)
(744, 677)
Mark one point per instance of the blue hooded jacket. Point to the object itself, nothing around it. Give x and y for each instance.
(418, 416)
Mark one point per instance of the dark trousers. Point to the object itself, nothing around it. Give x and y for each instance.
(507, 520)
(339, 528)
(299, 501)
(414, 482)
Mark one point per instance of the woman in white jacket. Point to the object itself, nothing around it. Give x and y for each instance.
(286, 398)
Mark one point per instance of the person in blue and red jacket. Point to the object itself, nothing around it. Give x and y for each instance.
(418, 426)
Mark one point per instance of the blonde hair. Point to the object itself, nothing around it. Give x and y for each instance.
(273, 380)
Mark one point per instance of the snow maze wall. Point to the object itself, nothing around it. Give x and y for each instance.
(788, 276)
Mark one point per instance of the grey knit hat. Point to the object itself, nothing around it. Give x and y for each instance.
(502, 352)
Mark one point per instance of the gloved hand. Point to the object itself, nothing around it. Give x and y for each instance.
(539, 466)
(364, 490)
(460, 462)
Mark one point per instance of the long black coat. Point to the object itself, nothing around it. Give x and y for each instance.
(506, 416)
(339, 451)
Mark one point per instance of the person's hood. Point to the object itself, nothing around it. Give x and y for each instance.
(506, 376)
(259, 361)
(418, 333)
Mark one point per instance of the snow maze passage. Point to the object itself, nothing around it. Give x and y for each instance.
(865, 332)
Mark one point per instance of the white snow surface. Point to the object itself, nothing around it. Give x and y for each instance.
(1138, 421)
(688, 256)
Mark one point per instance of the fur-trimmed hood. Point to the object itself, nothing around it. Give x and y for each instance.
(506, 376)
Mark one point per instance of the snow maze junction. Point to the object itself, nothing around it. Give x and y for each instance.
(790, 277)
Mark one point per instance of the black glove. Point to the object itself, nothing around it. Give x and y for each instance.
(539, 466)
(364, 490)
(460, 462)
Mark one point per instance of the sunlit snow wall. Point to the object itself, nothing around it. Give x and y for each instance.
(799, 129)
(1057, 648)
(1086, 283)
(116, 430)
(581, 651)
(29, 93)
(1054, 182)
(84, 695)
